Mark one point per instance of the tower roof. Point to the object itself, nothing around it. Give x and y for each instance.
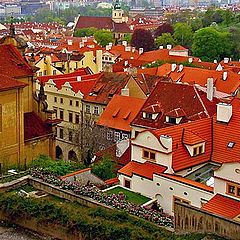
(117, 5)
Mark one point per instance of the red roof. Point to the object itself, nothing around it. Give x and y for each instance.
(223, 206)
(226, 133)
(75, 173)
(9, 83)
(112, 181)
(181, 159)
(106, 86)
(12, 64)
(146, 169)
(179, 48)
(176, 100)
(34, 127)
(101, 23)
(119, 113)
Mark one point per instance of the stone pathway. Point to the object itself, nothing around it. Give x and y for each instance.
(16, 233)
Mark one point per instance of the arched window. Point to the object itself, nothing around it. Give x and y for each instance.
(59, 153)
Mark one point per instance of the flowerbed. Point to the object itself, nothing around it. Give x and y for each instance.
(117, 201)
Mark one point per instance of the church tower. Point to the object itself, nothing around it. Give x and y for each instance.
(117, 12)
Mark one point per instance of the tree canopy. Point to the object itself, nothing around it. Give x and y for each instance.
(85, 32)
(103, 37)
(164, 40)
(164, 28)
(183, 34)
(142, 38)
(209, 44)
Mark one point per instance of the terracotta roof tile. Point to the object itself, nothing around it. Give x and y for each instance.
(146, 169)
(9, 83)
(223, 206)
(34, 127)
(126, 112)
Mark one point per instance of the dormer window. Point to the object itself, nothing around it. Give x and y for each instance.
(198, 150)
(172, 120)
(149, 155)
(150, 116)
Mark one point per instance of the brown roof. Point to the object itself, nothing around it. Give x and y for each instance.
(106, 86)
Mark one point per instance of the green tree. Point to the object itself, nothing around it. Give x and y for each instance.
(164, 40)
(209, 44)
(103, 37)
(128, 37)
(105, 169)
(234, 39)
(85, 32)
(196, 24)
(183, 34)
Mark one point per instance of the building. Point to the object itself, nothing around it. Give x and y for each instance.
(26, 125)
(177, 163)
(117, 23)
(117, 117)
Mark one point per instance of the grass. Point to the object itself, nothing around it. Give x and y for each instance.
(132, 197)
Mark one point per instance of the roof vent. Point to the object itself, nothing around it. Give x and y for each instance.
(226, 60)
(79, 78)
(169, 47)
(173, 67)
(225, 74)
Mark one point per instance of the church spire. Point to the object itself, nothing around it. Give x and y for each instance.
(117, 5)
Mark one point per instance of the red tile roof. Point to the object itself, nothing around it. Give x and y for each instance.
(12, 64)
(101, 23)
(34, 127)
(7, 83)
(119, 113)
(225, 133)
(106, 86)
(181, 159)
(163, 55)
(171, 99)
(145, 170)
(112, 181)
(223, 206)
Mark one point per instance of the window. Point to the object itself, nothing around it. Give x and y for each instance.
(40, 74)
(198, 150)
(61, 114)
(88, 109)
(96, 110)
(70, 135)
(55, 110)
(45, 72)
(61, 100)
(55, 99)
(77, 118)
(70, 102)
(124, 136)
(149, 155)
(148, 115)
(127, 183)
(230, 144)
(61, 133)
(172, 120)
(233, 189)
(54, 72)
(109, 135)
(116, 136)
(70, 117)
(77, 103)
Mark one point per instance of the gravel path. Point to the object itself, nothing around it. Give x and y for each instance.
(16, 233)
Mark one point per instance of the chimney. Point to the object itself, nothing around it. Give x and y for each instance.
(166, 141)
(215, 61)
(225, 74)
(125, 91)
(224, 112)
(108, 47)
(169, 47)
(226, 60)
(125, 63)
(190, 60)
(110, 44)
(79, 78)
(160, 47)
(210, 89)
(174, 66)
(133, 49)
(69, 42)
(127, 49)
(180, 68)
(140, 50)
(124, 43)
(81, 44)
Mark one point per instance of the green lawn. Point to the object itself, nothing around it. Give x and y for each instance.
(132, 197)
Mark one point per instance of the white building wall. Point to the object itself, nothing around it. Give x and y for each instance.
(164, 190)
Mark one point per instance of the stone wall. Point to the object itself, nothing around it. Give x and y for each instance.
(14, 184)
(65, 194)
(192, 219)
